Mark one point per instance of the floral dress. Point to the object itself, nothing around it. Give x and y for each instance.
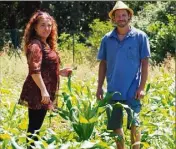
(42, 61)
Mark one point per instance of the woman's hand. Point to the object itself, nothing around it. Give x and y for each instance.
(66, 72)
(45, 97)
(44, 93)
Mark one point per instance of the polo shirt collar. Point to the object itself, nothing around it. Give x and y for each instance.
(130, 33)
(114, 33)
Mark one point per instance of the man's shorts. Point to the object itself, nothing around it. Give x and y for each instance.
(115, 117)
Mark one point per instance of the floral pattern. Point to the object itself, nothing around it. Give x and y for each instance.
(44, 61)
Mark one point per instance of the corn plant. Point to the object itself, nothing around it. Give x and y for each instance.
(83, 110)
(83, 115)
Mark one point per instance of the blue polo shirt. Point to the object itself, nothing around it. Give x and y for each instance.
(123, 60)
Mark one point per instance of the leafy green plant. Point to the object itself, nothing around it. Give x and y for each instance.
(158, 21)
(86, 111)
(83, 114)
(98, 30)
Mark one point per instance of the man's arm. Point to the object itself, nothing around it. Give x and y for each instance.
(144, 76)
(101, 78)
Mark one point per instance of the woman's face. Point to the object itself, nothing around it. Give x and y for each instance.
(43, 28)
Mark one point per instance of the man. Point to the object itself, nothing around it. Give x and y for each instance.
(123, 56)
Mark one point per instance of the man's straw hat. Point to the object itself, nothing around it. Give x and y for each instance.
(120, 5)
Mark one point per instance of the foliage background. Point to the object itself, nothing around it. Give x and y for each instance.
(156, 18)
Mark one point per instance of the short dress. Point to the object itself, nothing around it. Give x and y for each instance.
(42, 61)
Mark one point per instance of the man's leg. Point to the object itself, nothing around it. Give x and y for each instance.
(115, 123)
(120, 144)
(135, 136)
(134, 125)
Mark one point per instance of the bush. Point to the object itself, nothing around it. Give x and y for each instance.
(158, 21)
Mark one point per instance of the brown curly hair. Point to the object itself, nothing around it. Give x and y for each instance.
(30, 33)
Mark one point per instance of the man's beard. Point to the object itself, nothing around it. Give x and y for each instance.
(121, 25)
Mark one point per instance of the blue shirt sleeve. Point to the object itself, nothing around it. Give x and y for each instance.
(102, 51)
(144, 47)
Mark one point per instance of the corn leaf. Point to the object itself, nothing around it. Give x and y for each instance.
(83, 119)
(69, 84)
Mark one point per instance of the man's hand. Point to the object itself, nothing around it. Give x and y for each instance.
(139, 94)
(99, 94)
(144, 74)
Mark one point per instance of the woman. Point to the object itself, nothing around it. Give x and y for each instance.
(42, 82)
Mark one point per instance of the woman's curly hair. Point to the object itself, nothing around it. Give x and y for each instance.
(30, 33)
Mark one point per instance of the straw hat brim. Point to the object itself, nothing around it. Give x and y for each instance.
(112, 11)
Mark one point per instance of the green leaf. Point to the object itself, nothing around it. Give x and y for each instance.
(67, 101)
(101, 145)
(148, 88)
(89, 95)
(14, 144)
(116, 136)
(64, 114)
(169, 140)
(93, 119)
(69, 84)
(101, 110)
(13, 111)
(145, 144)
(5, 142)
(83, 119)
(87, 144)
(106, 99)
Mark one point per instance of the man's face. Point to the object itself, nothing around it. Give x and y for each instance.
(121, 18)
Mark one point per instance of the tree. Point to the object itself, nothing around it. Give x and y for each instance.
(158, 21)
